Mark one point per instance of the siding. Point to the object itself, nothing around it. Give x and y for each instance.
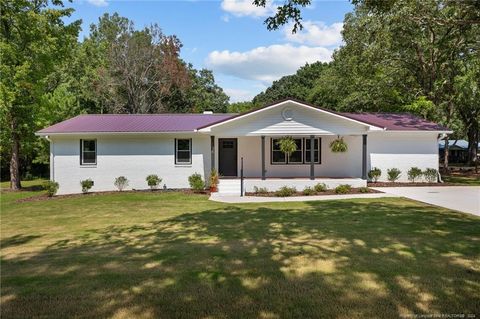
(132, 157)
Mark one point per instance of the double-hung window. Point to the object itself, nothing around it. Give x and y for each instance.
(300, 156)
(88, 152)
(183, 151)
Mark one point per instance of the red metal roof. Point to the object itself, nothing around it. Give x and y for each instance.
(396, 121)
(149, 123)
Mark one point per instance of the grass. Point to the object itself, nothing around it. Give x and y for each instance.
(462, 180)
(153, 255)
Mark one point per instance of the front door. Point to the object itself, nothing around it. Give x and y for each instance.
(227, 157)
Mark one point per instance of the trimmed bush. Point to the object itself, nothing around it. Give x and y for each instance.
(121, 183)
(320, 188)
(51, 187)
(86, 185)
(308, 191)
(343, 189)
(153, 181)
(431, 175)
(374, 174)
(196, 182)
(363, 189)
(393, 174)
(414, 173)
(260, 190)
(286, 191)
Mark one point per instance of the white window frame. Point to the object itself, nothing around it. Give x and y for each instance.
(82, 151)
(190, 144)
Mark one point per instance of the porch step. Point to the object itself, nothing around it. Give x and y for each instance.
(229, 186)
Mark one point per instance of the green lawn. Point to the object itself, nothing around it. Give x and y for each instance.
(462, 180)
(153, 255)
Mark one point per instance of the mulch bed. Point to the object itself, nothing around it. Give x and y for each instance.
(394, 184)
(327, 192)
(43, 197)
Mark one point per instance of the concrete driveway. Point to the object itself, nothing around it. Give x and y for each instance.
(462, 198)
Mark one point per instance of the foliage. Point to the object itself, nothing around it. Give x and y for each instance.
(320, 187)
(86, 185)
(374, 174)
(286, 191)
(214, 178)
(51, 187)
(287, 145)
(121, 183)
(364, 190)
(260, 190)
(153, 181)
(414, 173)
(196, 182)
(308, 191)
(423, 107)
(289, 10)
(343, 189)
(240, 107)
(393, 174)
(338, 145)
(431, 175)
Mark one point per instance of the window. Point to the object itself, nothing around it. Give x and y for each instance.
(183, 151)
(316, 150)
(300, 156)
(88, 152)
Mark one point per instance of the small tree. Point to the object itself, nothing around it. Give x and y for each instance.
(121, 183)
(196, 182)
(393, 174)
(431, 175)
(86, 185)
(414, 173)
(374, 174)
(287, 145)
(51, 187)
(153, 181)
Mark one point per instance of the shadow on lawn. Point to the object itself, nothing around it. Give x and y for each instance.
(333, 259)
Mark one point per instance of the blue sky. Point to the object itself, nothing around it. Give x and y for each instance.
(229, 37)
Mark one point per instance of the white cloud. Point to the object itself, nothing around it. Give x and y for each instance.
(316, 33)
(242, 8)
(266, 63)
(98, 3)
(239, 95)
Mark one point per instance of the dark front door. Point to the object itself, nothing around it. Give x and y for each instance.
(227, 156)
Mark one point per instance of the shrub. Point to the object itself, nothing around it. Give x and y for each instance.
(343, 189)
(431, 175)
(260, 190)
(214, 178)
(153, 181)
(320, 187)
(121, 182)
(308, 191)
(414, 173)
(363, 189)
(51, 187)
(196, 182)
(286, 191)
(86, 185)
(374, 174)
(393, 174)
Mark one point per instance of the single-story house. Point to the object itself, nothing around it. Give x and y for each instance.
(174, 146)
(457, 150)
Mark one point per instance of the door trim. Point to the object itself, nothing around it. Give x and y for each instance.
(236, 155)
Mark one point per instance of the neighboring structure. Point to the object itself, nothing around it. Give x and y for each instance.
(174, 146)
(457, 151)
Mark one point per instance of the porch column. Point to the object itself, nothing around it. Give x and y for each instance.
(312, 157)
(263, 157)
(364, 156)
(212, 152)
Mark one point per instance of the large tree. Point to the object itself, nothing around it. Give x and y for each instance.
(33, 39)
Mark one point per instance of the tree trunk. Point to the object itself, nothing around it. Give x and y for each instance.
(445, 155)
(472, 134)
(15, 160)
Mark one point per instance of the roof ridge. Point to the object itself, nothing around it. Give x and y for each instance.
(155, 114)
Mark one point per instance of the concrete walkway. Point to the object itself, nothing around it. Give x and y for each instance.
(260, 199)
(461, 198)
